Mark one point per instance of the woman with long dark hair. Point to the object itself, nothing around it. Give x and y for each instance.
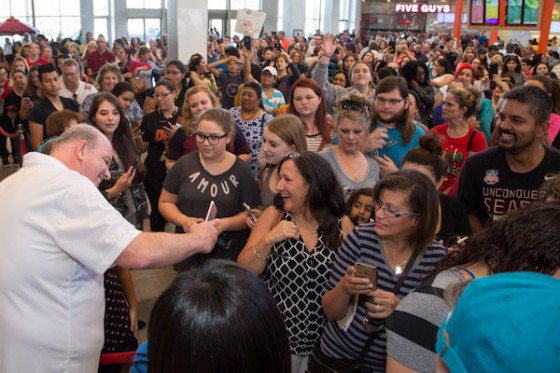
(217, 296)
(305, 225)
(125, 191)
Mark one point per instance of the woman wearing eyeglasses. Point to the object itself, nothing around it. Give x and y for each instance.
(175, 71)
(156, 130)
(294, 243)
(400, 246)
(211, 174)
(351, 167)
(199, 99)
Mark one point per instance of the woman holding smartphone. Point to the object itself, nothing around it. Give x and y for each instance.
(294, 243)
(156, 129)
(125, 191)
(210, 174)
(400, 245)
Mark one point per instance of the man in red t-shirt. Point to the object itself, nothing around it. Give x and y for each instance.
(284, 41)
(100, 57)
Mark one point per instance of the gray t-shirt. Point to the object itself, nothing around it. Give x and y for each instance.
(347, 184)
(195, 188)
(413, 326)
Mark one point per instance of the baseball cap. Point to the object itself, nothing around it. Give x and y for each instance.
(507, 322)
(271, 70)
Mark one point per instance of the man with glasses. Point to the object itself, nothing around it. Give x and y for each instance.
(100, 57)
(394, 134)
(72, 86)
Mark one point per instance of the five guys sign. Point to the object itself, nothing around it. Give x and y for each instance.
(422, 8)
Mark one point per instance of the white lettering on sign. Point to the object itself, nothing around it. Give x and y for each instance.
(422, 8)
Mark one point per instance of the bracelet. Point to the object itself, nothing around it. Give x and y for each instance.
(258, 255)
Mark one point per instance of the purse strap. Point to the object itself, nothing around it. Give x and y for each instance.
(396, 289)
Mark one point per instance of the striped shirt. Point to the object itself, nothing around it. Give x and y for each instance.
(363, 244)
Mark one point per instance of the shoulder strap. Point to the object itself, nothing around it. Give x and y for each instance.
(407, 269)
(277, 218)
(471, 138)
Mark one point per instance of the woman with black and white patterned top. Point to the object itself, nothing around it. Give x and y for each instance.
(294, 244)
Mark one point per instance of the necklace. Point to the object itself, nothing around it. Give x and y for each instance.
(399, 267)
(247, 119)
(358, 169)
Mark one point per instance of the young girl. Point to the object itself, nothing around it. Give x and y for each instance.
(360, 206)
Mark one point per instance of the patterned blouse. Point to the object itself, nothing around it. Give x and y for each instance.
(253, 132)
(132, 204)
(297, 280)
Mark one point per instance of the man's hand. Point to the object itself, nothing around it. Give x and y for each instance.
(207, 232)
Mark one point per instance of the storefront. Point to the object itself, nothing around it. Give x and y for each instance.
(406, 16)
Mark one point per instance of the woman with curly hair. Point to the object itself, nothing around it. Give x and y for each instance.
(501, 247)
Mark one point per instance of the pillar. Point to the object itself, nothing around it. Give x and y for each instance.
(187, 28)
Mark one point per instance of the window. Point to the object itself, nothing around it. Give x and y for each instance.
(248, 4)
(144, 28)
(143, 4)
(217, 4)
(313, 16)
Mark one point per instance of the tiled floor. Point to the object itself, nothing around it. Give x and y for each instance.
(149, 284)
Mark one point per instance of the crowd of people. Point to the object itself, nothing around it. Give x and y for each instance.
(359, 179)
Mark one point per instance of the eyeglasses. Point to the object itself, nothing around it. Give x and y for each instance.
(391, 101)
(212, 139)
(355, 106)
(390, 212)
(160, 95)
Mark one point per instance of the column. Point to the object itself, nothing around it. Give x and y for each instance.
(187, 28)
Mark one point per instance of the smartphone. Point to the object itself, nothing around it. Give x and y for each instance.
(493, 70)
(249, 211)
(392, 45)
(366, 270)
(134, 165)
(212, 211)
(247, 42)
(164, 123)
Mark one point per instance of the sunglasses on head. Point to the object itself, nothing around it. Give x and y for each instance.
(355, 106)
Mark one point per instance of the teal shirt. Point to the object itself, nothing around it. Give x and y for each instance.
(394, 147)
